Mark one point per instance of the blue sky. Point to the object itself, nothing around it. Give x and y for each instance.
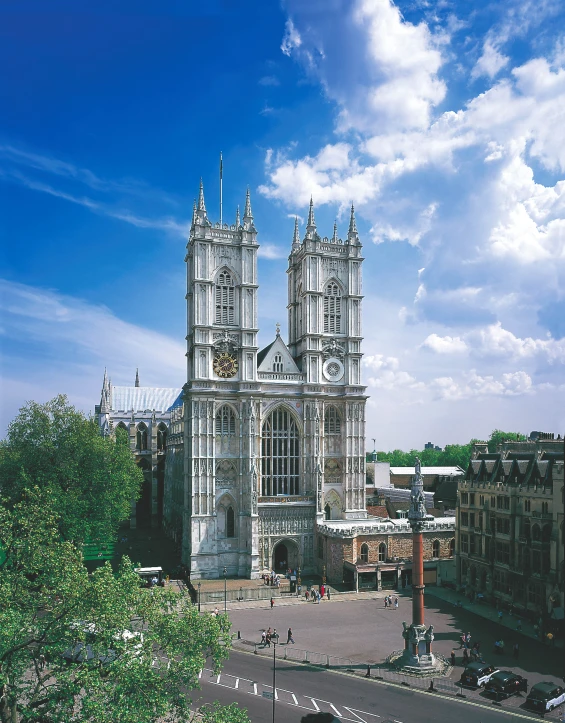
(444, 122)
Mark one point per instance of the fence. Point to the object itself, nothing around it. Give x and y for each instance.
(377, 671)
(250, 593)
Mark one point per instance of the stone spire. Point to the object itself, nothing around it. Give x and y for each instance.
(200, 216)
(137, 377)
(105, 401)
(201, 204)
(248, 224)
(237, 220)
(334, 237)
(296, 237)
(352, 235)
(194, 212)
(247, 211)
(311, 225)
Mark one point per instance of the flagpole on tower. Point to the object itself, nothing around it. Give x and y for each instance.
(221, 174)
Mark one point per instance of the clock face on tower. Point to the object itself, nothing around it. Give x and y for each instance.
(225, 365)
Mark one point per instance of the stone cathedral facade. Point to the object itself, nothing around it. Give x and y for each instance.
(265, 445)
(273, 440)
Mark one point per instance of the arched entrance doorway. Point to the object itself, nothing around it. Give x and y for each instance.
(285, 556)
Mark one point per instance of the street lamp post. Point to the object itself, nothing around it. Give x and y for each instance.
(225, 590)
(199, 586)
(274, 674)
(323, 575)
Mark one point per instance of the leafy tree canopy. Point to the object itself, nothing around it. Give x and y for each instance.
(90, 480)
(51, 610)
(452, 454)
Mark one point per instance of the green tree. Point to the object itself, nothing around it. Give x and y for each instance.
(498, 436)
(90, 480)
(52, 609)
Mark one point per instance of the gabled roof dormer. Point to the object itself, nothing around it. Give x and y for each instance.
(276, 359)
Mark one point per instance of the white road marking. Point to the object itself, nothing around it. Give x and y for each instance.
(336, 710)
(218, 679)
(358, 713)
(254, 689)
(313, 702)
(294, 698)
(237, 683)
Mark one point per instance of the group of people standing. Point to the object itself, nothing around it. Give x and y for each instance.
(317, 595)
(271, 636)
(389, 602)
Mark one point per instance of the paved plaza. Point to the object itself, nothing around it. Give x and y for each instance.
(363, 630)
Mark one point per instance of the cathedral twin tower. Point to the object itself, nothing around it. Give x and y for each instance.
(273, 440)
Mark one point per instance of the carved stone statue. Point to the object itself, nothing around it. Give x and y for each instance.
(418, 467)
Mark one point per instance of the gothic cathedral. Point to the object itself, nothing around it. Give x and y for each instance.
(273, 440)
(261, 445)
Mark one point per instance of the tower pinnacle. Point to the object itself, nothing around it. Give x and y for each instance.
(237, 220)
(201, 204)
(137, 377)
(247, 210)
(296, 236)
(334, 237)
(311, 225)
(352, 234)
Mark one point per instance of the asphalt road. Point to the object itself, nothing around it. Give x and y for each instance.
(301, 689)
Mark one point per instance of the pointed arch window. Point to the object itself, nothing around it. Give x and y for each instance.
(141, 437)
(364, 552)
(435, 548)
(280, 454)
(161, 436)
(230, 522)
(332, 430)
(382, 552)
(225, 422)
(332, 309)
(278, 363)
(225, 299)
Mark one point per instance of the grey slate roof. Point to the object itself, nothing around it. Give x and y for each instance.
(140, 399)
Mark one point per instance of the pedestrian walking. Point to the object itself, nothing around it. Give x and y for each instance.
(306, 595)
(272, 603)
(465, 657)
(516, 651)
(468, 640)
(275, 636)
(500, 616)
(299, 591)
(264, 638)
(386, 603)
(396, 603)
(289, 638)
(328, 594)
(519, 625)
(453, 658)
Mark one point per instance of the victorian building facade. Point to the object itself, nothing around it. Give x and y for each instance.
(510, 534)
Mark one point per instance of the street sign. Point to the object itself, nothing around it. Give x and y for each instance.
(268, 695)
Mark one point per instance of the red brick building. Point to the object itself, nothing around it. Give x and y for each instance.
(377, 553)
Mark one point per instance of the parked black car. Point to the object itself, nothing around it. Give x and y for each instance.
(504, 684)
(545, 696)
(478, 674)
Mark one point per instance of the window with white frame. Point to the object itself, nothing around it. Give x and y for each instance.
(278, 363)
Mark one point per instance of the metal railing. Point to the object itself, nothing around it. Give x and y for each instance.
(373, 670)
